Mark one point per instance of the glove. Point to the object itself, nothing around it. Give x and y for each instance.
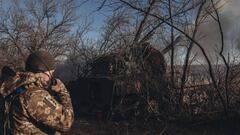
(57, 86)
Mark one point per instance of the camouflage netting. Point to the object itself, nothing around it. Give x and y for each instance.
(203, 102)
(139, 76)
(141, 89)
(135, 67)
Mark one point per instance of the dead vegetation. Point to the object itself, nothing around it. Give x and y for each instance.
(147, 49)
(81, 127)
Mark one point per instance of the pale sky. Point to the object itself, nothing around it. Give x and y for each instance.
(230, 15)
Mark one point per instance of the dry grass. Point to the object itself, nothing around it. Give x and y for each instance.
(81, 127)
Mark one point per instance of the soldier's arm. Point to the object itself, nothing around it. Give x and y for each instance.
(43, 108)
(62, 93)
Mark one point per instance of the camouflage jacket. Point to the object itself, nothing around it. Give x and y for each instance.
(37, 110)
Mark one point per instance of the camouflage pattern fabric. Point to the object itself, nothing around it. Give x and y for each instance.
(38, 111)
(9, 85)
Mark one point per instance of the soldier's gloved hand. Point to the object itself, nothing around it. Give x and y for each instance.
(60, 90)
(57, 86)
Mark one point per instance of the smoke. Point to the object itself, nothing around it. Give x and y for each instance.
(209, 34)
(230, 19)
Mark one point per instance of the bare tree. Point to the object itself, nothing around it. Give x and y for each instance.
(35, 25)
(164, 21)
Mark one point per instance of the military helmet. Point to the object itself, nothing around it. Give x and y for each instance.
(40, 61)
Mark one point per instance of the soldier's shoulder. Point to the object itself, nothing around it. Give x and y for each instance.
(39, 98)
(34, 93)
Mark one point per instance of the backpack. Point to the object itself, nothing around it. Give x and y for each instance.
(8, 106)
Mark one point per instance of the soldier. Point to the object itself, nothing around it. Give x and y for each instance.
(39, 103)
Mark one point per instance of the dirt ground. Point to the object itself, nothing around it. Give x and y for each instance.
(82, 127)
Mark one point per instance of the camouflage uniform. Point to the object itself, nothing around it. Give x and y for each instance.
(37, 110)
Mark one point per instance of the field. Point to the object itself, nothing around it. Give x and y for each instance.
(82, 127)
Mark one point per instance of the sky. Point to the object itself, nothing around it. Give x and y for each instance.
(230, 18)
(86, 9)
(89, 10)
(230, 15)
